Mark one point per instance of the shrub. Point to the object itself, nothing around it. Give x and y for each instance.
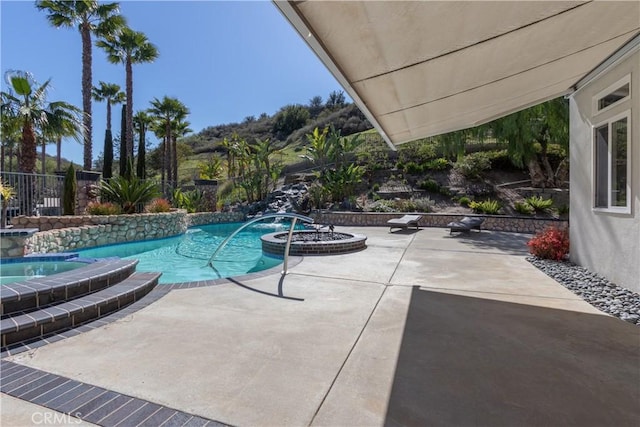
(158, 206)
(6, 192)
(445, 191)
(105, 208)
(472, 165)
(430, 185)
(523, 208)
(382, 206)
(405, 205)
(437, 164)
(319, 195)
(130, 193)
(490, 207)
(553, 243)
(563, 210)
(376, 187)
(225, 189)
(423, 204)
(464, 201)
(192, 201)
(211, 169)
(539, 204)
(412, 168)
(500, 160)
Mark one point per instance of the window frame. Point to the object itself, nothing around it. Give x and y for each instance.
(608, 122)
(608, 90)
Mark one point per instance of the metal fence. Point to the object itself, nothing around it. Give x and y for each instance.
(34, 194)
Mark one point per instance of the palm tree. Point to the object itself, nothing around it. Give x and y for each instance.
(142, 120)
(169, 112)
(10, 133)
(63, 120)
(159, 129)
(111, 93)
(128, 47)
(180, 128)
(28, 104)
(90, 17)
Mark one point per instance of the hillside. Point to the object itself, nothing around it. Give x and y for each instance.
(287, 129)
(347, 119)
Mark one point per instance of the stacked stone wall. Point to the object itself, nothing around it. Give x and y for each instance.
(492, 222)
(202, 218)
(68, 233)
(105, 230)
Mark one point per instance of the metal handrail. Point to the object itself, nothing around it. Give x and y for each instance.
(253, 221)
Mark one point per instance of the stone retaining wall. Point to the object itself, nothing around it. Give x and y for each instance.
(74, 232)
(13, 243)
(201, 218)
(68, 233)
(108, 229)
(492, 222)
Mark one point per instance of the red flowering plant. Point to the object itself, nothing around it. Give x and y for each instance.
(104, 208)
(552, 243)
(158, 206)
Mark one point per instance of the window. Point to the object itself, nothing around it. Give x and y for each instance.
(612, 171)
(613, 95)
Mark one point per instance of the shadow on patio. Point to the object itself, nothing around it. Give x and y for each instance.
(472, 361)
(512, 243)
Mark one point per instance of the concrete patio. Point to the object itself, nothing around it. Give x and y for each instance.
(421, 328)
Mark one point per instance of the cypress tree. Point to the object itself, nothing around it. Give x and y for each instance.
(141, 167)
(107, 167)
(70, 188)
(124, 164)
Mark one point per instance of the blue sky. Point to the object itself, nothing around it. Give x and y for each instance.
(225, 60)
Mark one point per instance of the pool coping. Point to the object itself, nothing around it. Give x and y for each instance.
(40, 291)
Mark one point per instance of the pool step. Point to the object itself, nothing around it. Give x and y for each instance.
(68, 314)
(32, 294)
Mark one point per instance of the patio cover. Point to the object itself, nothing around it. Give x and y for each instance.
(423, 68)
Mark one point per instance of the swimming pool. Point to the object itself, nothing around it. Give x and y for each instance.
(184, 258)
(27, 268)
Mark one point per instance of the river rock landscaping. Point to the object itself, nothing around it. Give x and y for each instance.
(596, 290)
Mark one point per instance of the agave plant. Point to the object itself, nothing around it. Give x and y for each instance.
(539, 204)
(130, 193)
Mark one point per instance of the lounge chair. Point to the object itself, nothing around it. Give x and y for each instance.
(466, 224)
(404, 222)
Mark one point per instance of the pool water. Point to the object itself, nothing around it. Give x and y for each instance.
(184, 258)
(21, 271)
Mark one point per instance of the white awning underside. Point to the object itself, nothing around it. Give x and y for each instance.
(423, 68)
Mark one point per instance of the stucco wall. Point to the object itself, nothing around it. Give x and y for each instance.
(606, 243)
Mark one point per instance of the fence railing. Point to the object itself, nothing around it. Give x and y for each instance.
(35, 194)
